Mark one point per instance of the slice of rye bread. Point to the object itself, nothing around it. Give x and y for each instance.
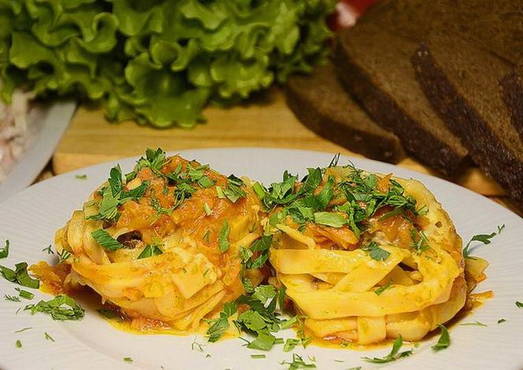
(462, 83)
(321, 104)
(494, 25)
(374, 65)
(512, 85)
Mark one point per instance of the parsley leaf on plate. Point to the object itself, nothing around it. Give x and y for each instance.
(20, 275)
(4, 251)
(392, 356)
(482, 238)
(329, 219)
(61, 307)
(444, 339)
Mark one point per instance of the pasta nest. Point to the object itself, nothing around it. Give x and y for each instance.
(346, 295)
(193, 277)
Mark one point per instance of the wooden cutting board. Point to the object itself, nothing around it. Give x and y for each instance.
(90, 139)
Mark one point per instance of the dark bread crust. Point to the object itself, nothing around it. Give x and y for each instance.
(512, 85)
(321, 104)
(384, 108)
(494, 156)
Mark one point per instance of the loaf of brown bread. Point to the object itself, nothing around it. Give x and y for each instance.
(494, 25)
(320, 103)
(462, 83)
(512, 85)
(374, 66)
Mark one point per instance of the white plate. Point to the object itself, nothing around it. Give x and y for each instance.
(30, 219)
(52, 121)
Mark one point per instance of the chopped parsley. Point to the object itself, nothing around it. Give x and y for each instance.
(233, 191)
(196, 346)
(61, 307)
(394, 354)
(150, 250)
(81, 177)
(154, 159)
(298, 363)
(501, 321)
(207, 209)
(4, 251)
(103, 238)
(24, 293)
(519, 304)
(18, 343)
(475, 323)
(420, 242)
(223, 237)
(48, 337)
(290, 344)
(19, 275)
(375, 252)
(49, 250)
(108, 314)
(382, 288)
(485, 239)
(11, 298)
(128, 359)
(63, 255)
(443, 341)
(114, 195)
(256, 256)
(22, 330)
(258, 356)
(218, 326)
(329, 219)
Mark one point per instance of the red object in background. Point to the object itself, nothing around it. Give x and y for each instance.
(347, 11)
(359, 5)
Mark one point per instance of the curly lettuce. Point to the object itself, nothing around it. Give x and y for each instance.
(158, 61)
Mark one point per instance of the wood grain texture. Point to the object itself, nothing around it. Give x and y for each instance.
(267, 122)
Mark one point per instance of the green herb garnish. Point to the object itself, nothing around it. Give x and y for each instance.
(257, 356)
(375, 252)
(298, 363)
(475, 323)
(103, 238)
(22, 330)
(48, 250)
(382, 288)
(501, 321)
(519, 304)
(48, 337)
(329, 219)
(207, 209)
(150, 250)
(220, 325)
(24, 293)
(223, 237)
(19, 275)
(80, 177)
(11, 298)
(18, 343)
(63, 255)
(128, 359)
(4, 251)
(482, 238)
(444, 339)
(61, 307)
(392, 356)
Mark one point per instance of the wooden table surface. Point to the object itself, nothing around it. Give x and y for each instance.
(266, 122)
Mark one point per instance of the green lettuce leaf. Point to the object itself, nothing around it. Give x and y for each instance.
(158, 61)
